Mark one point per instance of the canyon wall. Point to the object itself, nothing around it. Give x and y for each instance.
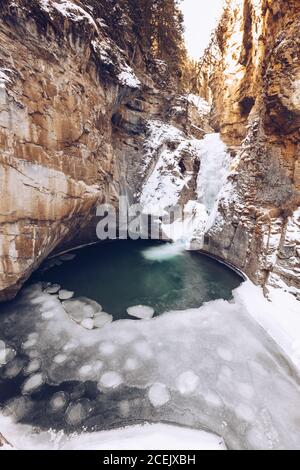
(84, 118)
(253, 74)
(76, 93)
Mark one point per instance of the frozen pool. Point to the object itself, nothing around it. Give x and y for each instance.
(124, 274)
(210, 368)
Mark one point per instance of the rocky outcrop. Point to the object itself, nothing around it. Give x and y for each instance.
(254, 81)
(4, 443)
(84, 118)
(76, 96)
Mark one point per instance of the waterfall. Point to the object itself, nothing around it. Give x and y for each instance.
(214, 169)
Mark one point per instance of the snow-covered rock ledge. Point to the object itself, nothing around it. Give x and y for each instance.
(279, 316)
(139, 437)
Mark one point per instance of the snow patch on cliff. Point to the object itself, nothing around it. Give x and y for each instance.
(68, 9)
(4, 77)
(202, 106)
(128, 78)
(165, 145)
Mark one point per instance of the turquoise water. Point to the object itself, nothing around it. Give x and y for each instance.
(125, 273)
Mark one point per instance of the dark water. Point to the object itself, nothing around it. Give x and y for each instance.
(117, 275)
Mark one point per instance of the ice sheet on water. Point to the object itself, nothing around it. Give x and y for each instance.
(53, 289)
(159, 395)
(182, 367)
(58, 401)
(187, 382)
(101, 319)
(31, 384)
(110, 379)
(13, 368)
(141, 311)
(33, 366)
(86, 312)
(65, 294)
(6, 354)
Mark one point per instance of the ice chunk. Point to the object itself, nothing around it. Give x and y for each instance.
(6, 355)
(33, 383)
(13, 368)
(58, 401)
(30, 343)
(33, 366)
(124, 408)
(60, 358)
(85, 371)
(110, 380)
(53, 289)
(65, 294)
(212, 399)
(187, 382)
(102, 319)
(33, 335)
(141, 311)
(81, 308)
(36, 300)
(159, 395)
(33, 354)
(97, 366)
(88, 323)
(76, 413)
(17, 407)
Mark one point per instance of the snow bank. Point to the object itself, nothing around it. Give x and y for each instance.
(280, 316)
(149, 437)
(140, 437)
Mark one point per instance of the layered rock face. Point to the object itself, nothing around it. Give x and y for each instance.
(84, 119)
(55, 137)
(73, 121)
(254, 81)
